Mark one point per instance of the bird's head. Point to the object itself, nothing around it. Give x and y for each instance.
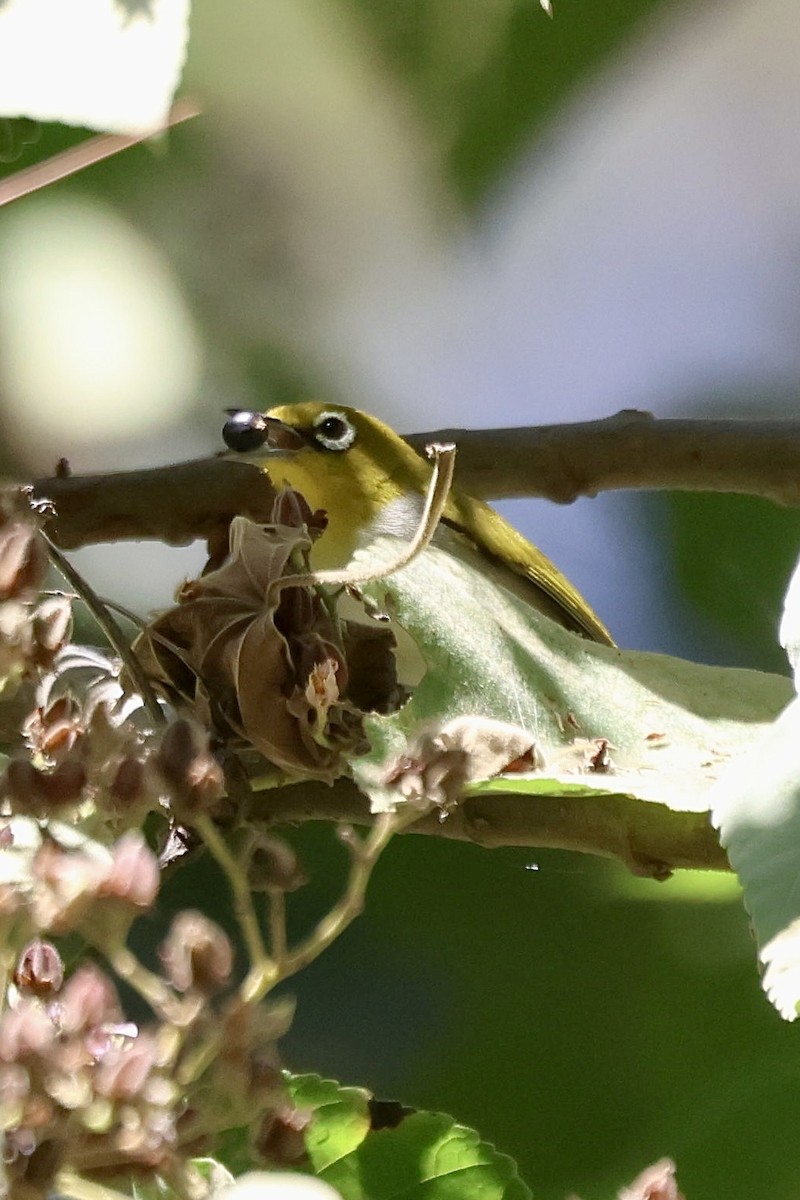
(343, 461)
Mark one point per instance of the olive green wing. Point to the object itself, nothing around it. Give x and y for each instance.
(499, 540)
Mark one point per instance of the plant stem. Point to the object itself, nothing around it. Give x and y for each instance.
(111, 629)
(351, 903)
(263, 971)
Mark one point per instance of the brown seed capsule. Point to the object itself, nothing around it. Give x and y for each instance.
(23, 559)
(128, 783)
(62, 785)
(20, 780)
(190, 769)
(274, 866)
(296, 611)
(40, 969)
(32, 790)
(52, 626)
(290, 508)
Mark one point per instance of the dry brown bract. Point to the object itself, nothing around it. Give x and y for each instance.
(267, 665)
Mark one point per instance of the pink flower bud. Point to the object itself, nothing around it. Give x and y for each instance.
(88, 999)
(134, 875)
(196, 953)
(25, 1030)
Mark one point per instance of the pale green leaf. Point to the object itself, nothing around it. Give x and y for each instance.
(672, 726)
(756, 808)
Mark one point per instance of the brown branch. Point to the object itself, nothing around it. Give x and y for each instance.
(649, 839)
(560, 462)
(629, 450)
(173, 504)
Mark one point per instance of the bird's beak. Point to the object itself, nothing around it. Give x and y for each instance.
(282, 438)
(254, 434)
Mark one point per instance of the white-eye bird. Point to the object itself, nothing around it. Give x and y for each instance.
(371, 482)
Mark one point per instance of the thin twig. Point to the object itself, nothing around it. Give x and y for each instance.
(85, 154)
(262, 971)
(110, 628)
(277, 925)
(351, 903)
(122, 611)
(151, 987)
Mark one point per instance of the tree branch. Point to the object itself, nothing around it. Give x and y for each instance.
(560, 462)
(649, 839)
(173, 504)
(629, 450)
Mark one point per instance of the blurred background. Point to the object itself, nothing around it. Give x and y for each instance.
(460, 212)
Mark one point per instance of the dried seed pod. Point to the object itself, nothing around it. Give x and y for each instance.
(64, 784)
(128, 784)
(274, 867)
(23, 554)
(52, 627)
(189, 768)
(20, 784)
(292, 509)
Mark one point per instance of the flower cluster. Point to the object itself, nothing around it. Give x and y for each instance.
(32, 630)
(82, 1089)
(86, 1094)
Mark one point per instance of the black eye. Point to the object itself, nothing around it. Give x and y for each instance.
(244, 430)
(334, 431)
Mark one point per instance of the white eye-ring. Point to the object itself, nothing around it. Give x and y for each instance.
(333, 431)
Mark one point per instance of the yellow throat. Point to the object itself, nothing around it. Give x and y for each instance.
(369, 481)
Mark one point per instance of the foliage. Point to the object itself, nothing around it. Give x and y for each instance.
(647, 744)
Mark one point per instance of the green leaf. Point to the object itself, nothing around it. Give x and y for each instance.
(16, 136)
(756, 808)
(727, 546)
(427, 1155)
(341, 1118)
(671, 725)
